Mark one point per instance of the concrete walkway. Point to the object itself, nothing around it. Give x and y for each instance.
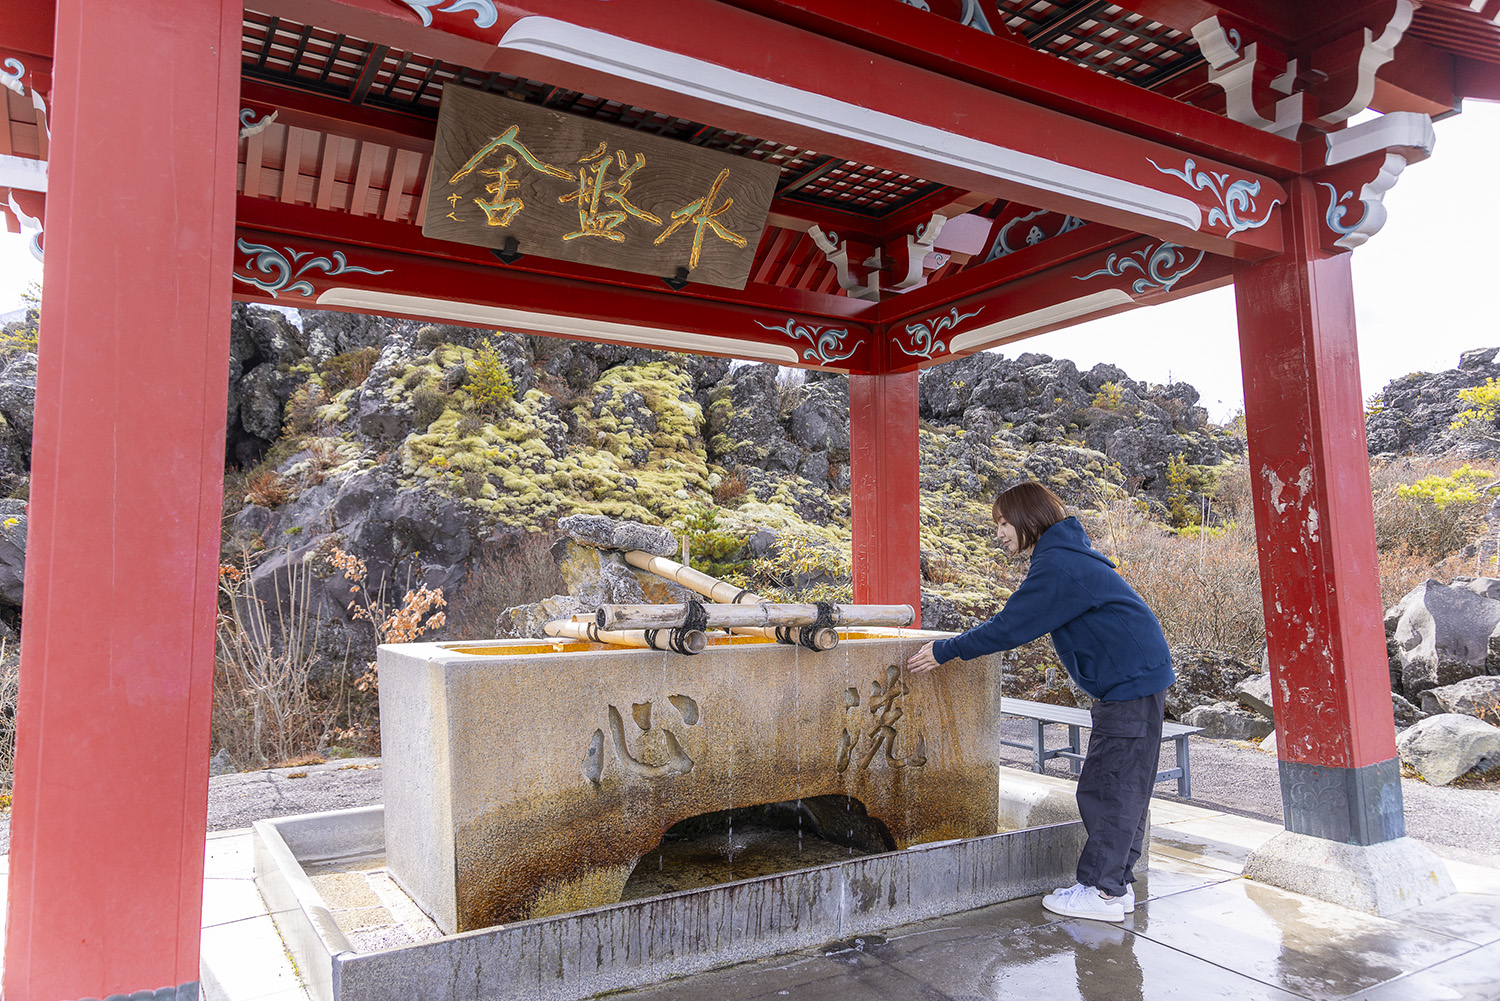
(1200, 931)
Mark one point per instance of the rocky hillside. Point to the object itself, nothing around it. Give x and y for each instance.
(1415, 413)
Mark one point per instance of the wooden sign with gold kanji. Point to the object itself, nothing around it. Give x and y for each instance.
(580, 190)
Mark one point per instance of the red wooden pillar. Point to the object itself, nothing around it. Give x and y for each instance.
(884, 499)
(107, 835)
(1340, 778)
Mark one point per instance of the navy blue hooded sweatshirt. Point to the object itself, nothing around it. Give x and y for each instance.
(1105, 635)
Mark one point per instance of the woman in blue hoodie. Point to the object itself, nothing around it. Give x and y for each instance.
(1113, 648)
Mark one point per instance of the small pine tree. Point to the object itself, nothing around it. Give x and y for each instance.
(23, 336)
(1179, 480)
(1484, 406)
(490, 385)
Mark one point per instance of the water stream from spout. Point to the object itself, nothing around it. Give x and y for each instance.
(847, 777)
(662, 699)
(797, 733)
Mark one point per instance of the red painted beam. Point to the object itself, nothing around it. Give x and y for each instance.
(1009, 66)
(1138, 272)
(1479, 80)
(26, 26)
(884, 496)
(273, 217)
(1420, 79)
(111, 784)
(1304, 417)
(310, 272)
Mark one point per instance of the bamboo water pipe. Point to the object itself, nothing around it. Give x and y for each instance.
(821, 640)
(814, 638)
(763, 614)
(686, 641)
(694, 580)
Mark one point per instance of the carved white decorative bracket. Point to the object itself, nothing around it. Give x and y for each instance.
(1406, 137)
(918, 246)
(40, 105)
(1407, 130)
(12, 75)
(1233, 69)
(249, 128)
(1375, 53)
(31, 227)
(837, 253)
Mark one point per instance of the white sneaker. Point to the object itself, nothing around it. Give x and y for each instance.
(1079, 901)
(1128, 898)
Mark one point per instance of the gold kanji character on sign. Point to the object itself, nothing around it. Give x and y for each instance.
(500, 210)
(703, 215)
(592, 181)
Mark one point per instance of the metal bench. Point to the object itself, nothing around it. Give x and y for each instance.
(1040, 714)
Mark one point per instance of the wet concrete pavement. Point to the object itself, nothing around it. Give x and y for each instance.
(1200, 931)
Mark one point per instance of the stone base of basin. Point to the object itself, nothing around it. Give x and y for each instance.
(524, 779)
(573, 956)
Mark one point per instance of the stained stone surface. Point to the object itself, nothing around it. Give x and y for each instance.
(524, 779)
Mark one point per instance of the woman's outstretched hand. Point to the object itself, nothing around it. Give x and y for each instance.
(922, 661)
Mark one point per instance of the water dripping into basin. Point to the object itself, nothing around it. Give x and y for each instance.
(752, 841)
(797, 737)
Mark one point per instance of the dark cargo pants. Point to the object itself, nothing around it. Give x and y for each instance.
(1114, 788)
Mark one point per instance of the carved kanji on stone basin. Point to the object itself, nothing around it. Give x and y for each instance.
(524, 779)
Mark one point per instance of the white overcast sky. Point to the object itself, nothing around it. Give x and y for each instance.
(1423, 285)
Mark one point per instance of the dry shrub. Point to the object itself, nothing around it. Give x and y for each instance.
(302, 408)
(264, 709)
(1417, 539)
(351, 368)
(267, 488)
(10, 677)
(521, 574)
(470, 425)
(730, 488)
(1205, 590)
(944, 568)
(1431, 531)
(323, 454)
(1231, 499)
(430, 337)
(428, 404)
(1402, 568)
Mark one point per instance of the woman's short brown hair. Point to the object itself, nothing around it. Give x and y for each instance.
(1031, 509)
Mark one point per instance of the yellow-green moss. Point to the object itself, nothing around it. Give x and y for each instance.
(528, 482)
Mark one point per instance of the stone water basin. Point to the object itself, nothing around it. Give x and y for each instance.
(525, 779)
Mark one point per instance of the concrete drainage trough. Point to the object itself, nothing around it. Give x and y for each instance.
(577, 955)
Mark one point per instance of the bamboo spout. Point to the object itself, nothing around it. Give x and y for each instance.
(684, 641)
(694, 580)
